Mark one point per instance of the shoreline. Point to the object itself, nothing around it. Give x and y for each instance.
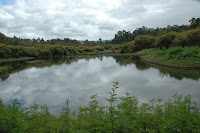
(139, 54)
(5, 69)
(142, 54)
(169, 66)
(16, 59)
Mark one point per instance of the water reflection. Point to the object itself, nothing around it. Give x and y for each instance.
(124, 60)
(52, 82)
(163, 71)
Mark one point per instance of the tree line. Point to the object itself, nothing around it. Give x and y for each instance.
(15, 41)
(171, 39)
(127, 36)
(120, 37)
(142, 38)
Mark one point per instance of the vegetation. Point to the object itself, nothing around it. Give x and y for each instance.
(178, 74)
(16, 59)
(124, 36)
(122, 60)
(30, 42)
(176, 56)
(171, 39)
(4, 69)
(48, 51)
(178, 114)
(172, 49)
(166, 40)
(142, 38)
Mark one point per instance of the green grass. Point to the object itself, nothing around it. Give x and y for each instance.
(178, 114)
(176, 56)
(16, 59)
(146, 51)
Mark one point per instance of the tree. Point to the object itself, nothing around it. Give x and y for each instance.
(194, 22)
(100, 40)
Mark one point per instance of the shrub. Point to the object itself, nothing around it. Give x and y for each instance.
(188, 38)
(128, 47)
(181, 39)
(194, 37)
(180, 53)
(107, 47)
(144, 42)
(166, 40)
(174, 53)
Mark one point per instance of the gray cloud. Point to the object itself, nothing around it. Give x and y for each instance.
(91, 19)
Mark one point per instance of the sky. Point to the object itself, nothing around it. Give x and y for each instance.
(90, 19)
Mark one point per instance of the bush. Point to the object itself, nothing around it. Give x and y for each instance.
(188, 38)
(107, 47)
(128, 47)
(181, 39)
(166, 40)
(144, 42)
(174, 53)
(194, 37)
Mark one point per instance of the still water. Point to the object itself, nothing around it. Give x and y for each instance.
(54, 81)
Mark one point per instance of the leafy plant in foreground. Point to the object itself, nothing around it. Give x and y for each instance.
(111, 108)
(178, 114)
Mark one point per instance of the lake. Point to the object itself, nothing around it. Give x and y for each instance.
(54, 81)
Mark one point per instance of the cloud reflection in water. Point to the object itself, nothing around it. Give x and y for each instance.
(79, 80)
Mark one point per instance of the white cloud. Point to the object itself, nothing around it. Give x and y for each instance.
(90, 19)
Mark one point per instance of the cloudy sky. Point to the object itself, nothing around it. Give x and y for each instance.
(90, 19)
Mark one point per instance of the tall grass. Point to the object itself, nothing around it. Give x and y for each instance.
(180, 53)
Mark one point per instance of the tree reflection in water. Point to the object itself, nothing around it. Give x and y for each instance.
(121, 60)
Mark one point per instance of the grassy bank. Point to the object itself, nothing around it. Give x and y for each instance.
(173, 49)
(16, 59)
(180, 57)
(179, 114)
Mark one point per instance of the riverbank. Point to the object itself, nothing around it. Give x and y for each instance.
(16, 59)
(174, 57)
(5, 69)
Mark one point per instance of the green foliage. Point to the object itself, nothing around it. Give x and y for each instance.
(4, 69)
(128, 47)
(194, 37)
(140, 42)
(180, 53)
(194, 22)
(171, 39)
(166, 40)
(39, 51)
(143, 42)
(48, 51)
(124, 36)
(30, 42)
(178, 114)
(112, 112)
(188, 38)
(181, 39)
